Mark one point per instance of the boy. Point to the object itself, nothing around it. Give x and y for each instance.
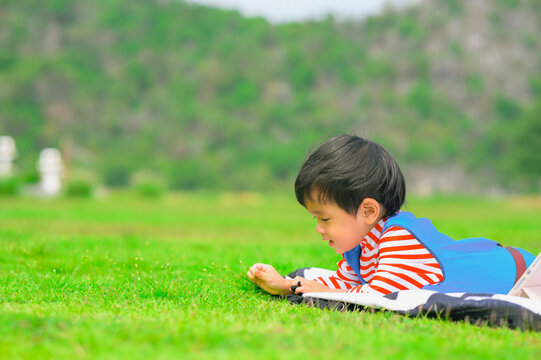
(355, 189)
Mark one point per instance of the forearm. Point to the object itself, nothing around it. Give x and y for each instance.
(341, 280)
(297, 286)
(303, 286)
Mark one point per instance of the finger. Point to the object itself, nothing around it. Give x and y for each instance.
(265, 273)
(298, 288)
(259, 283)
(253, 277)
(255, 280)
(266, 267)
(254, 274)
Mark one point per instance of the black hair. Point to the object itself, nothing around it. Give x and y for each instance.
(346, 170)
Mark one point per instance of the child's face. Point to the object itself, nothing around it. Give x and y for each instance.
(340, 229)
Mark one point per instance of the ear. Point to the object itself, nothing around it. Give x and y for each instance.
(370, 211)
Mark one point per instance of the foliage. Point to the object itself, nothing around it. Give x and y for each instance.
(148, 184)
(205, 96)
(81, 183)
(521, 158)
(9, 185)
(79, 187)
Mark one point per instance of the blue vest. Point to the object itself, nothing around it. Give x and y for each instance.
(474, 265)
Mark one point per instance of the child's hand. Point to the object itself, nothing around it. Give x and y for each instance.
(268, 279)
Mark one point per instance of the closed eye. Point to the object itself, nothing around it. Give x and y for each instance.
(322, 219)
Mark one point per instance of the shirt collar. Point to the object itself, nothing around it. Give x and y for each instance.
(375, 233)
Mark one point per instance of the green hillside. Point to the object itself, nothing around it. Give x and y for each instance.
(211, 99)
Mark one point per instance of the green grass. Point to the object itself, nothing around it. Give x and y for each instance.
(164, 279)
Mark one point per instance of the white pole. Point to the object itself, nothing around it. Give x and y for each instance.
(8, 153)
(50, 168)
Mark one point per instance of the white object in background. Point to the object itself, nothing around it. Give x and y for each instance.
(50, 168)
(8, 152)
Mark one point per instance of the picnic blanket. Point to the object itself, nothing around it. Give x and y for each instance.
(481, 309)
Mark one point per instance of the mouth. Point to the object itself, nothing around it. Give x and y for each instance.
(331, 243)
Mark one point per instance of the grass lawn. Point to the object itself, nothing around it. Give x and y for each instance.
(129, 278)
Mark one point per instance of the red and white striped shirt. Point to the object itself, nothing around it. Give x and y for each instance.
(392, 261)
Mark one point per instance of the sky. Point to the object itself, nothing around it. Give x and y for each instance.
(280, 11)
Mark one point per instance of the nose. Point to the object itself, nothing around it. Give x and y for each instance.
(320, 229)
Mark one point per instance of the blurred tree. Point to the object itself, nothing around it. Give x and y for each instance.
(523, 161)
(211, 99)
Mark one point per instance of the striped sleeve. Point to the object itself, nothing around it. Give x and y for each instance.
(344, 278)
(403, 264)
